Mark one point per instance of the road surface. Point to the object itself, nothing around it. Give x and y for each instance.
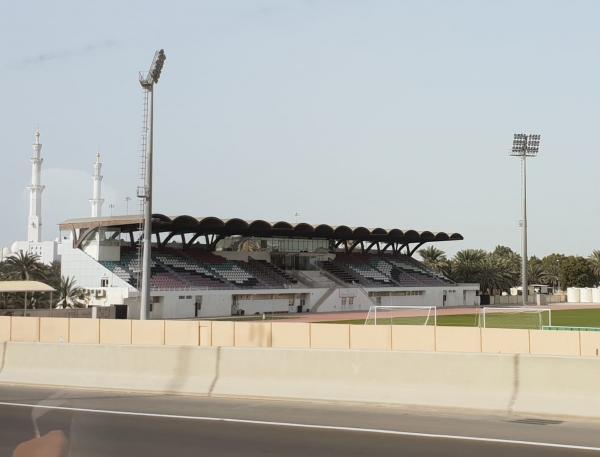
(102, 423)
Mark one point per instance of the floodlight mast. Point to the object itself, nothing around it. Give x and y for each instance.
(148, 83)
(524, 146)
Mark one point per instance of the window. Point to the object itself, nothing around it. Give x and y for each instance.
(350, 300)
(104, 282)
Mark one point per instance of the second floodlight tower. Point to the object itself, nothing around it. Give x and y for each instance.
(524, 146)
(145, 193)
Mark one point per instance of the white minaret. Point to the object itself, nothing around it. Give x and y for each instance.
(34, 224)
(97, 199)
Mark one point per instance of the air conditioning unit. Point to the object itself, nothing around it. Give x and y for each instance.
(100, 293)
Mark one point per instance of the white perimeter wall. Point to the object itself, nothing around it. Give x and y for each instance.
(215, 303)
(277, 305)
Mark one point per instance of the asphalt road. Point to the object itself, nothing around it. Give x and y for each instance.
(129, 424)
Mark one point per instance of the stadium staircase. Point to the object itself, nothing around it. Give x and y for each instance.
(321, 300)
(276, 275)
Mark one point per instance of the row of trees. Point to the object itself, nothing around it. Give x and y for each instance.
(500, 269)
(26, 266)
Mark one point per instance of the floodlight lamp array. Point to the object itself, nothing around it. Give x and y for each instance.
(155, 69)
(525, 145)
(157, 65)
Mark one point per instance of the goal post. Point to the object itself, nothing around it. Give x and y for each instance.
(525, 317)
(401, 315)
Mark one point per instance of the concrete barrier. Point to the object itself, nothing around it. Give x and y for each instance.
(300, 335)
(558, 386)
(590, 344)
(182, 333)
(222, 334)
(84, 331)
(504, 341)
(4, 328)
(205, 337)
(148, 332)
(145, 368)
(375, 337)
(413, 338)
(458, 339)
(330, 336)
(54, 329)
(525, 384)
(290, 334)
(252, 334)
(24, 329)
(115, 331)
(545, 342)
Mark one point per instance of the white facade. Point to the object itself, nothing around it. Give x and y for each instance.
(177, 304)
(47, 251)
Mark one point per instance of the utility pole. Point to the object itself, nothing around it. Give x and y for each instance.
(524, 146)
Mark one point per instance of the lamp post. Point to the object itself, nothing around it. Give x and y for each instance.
(524, 145)
(148, 81)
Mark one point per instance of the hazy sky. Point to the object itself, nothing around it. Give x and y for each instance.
(376, 113)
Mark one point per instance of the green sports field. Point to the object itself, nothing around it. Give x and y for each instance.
(567, 318)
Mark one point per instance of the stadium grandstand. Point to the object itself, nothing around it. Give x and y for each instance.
(208, 267)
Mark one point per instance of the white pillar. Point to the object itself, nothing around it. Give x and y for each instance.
(97, 200)
(34, 223)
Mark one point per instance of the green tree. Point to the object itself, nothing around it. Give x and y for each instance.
(494, 274)
(535, 271)
(595, 264)
(513, 262)
(70, 295)
(552, 268)
(466, 265)
(576, 271)
(433, 258)
(24, 266)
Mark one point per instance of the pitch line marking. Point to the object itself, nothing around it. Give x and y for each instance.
(307, 426)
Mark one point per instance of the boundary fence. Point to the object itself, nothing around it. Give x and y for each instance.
(301, 335)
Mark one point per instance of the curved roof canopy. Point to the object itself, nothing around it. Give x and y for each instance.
(259, 228)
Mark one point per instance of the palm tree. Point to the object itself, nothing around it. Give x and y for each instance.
(433, 257)
(595, 262)
(24, 266)
(535, 271)
(70, 295)
(467, 263)
(494, 274)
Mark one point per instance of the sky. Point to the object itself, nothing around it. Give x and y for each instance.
(375, 113)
